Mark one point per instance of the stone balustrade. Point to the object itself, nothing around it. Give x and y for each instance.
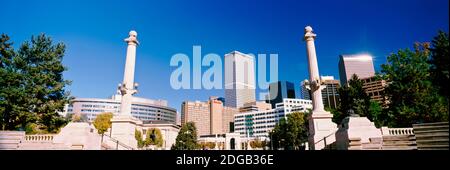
(38, 138)
(397, 131)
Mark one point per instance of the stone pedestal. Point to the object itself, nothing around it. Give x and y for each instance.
(356, 128)
(321, 129)
(79, 136)
(123, 128)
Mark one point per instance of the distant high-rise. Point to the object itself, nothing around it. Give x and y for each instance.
(375, 89)
(209, 117)
(361, 65)
(330, 94)
(280, 90)
(239, 79)
(306, 93)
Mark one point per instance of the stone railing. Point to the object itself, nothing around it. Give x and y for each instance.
(39, 138)
(396, 131)
(325, 141)
(117, 143)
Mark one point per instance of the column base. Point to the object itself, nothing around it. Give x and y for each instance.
(123, 128)
(322, 130)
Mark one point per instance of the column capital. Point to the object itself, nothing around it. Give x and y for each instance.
(309, 35)
(132, 39)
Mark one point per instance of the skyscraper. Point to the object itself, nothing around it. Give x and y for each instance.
(306, 93)
(280, 90)
(361, 65)
(239, 79)
(330, 94)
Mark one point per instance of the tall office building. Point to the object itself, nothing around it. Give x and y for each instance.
(361, 65)
(239, 79)
(330, 96)
(330, 92)
(280, 90)
(198, 113)
(209, 117)
(375, 89)
(306, 93)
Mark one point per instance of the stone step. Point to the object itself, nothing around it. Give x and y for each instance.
(354, 148)
(8, 146)
(431, 131)
(398, 139)
(399, 144)
(5, 141)
(12, 132)
(10, 138)
(431, 143)
(400, 148)
(426, 128)
(442, 139)
(376, 140)
(437, 135)
(371, 146)
(354, 144)
(431, 124)
(433, 147)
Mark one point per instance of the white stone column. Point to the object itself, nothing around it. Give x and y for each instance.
(127, 88)
(124, 124)
(314, 77)
(320, 123)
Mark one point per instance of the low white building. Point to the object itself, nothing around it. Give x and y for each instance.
(141, 108)
(258, 124)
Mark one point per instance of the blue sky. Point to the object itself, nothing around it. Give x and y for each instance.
(94, 31)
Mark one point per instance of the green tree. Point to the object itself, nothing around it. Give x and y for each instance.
(375, 112)
(439, 61)
(413, 99)
(207, 145)
(257, 143)
(77, 117)
(14, 112)
(354, 100)
(187, 138)
(103, 122)
(291, 133)
(211, 145)
(154, 137)
(138, 137)
(32, 84)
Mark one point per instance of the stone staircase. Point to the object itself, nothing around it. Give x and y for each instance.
(399, 142)
(10, 140)
(110, 143)
(354, 144)
(432, 136)
(374, 144)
